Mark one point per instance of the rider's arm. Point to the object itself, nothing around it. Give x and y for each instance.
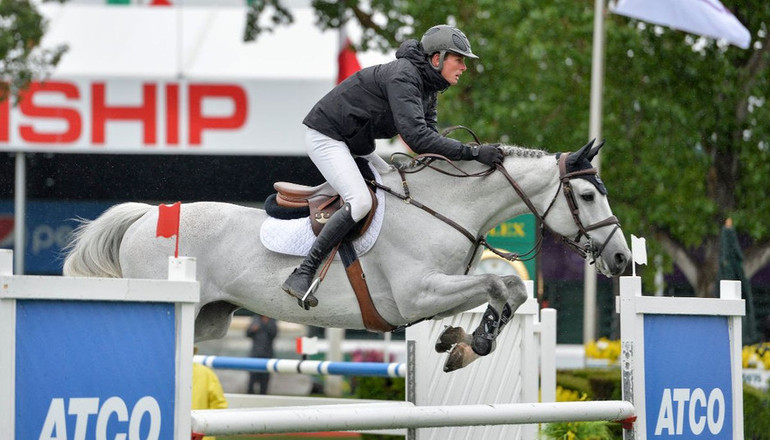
(409, 116)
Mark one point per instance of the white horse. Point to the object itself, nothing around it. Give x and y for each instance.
(417, 268)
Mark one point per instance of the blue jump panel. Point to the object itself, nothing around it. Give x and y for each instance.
(95, 367)
(688, 377)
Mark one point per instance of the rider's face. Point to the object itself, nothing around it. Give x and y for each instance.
(454, 66)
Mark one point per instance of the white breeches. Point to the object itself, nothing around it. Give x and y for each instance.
(335, 162)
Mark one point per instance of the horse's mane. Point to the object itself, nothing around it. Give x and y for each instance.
(517, 151)
(406, 163)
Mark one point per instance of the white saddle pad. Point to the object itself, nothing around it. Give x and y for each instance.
(295, 237)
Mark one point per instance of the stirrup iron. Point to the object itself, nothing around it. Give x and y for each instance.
(310, 292)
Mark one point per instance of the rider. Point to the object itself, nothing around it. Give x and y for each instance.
(380, 102)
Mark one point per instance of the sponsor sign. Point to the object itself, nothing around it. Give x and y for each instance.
(516, 235)
(688, 377)
(114, 375)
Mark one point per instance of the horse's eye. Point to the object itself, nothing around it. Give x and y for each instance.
(588, 197)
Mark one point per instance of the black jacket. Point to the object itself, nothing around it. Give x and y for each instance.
(382, 101)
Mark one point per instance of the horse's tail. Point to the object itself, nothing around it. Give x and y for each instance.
(94, 249)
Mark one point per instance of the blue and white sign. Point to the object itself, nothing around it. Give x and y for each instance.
(114, 375)
(48, 228)
(681, 363)
(688, 377)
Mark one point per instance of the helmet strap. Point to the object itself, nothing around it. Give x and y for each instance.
(441, 55)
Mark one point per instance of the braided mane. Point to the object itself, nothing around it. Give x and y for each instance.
(405, 162)
(517, 151)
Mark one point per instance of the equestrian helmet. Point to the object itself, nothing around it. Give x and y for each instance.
(444, 38)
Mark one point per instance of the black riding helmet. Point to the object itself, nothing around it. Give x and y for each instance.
(444, 38)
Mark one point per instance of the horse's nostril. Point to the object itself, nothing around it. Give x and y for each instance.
(620, 259)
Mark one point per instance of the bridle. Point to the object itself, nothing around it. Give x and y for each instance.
(565, 187)
(588, 250)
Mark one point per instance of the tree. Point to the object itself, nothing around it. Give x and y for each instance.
(684, 116)
(22, 60)
(694, 140)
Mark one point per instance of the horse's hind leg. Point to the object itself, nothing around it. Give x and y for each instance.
(468, 348)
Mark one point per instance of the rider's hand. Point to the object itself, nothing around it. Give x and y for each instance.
(489, 154)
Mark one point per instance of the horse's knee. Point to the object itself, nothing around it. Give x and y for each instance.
(517, 291)
(494, 287)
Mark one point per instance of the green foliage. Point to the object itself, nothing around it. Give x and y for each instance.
(22, 60)
(380, 388)
(596, 384)
(279, 16)
(570, 381)
(685, 117)
(756, 414)
(578, 431)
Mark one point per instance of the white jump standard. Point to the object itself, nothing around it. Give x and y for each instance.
(94, 358)
(681, 363)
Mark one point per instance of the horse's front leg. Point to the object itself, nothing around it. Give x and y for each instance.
(466, 348)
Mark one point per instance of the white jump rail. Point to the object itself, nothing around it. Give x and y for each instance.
(355, 417)
(681, 363)
(96, 357)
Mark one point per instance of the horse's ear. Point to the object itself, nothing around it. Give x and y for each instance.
(594, 151)
(582, 153)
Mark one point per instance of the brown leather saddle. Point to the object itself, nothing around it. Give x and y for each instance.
(320, 202)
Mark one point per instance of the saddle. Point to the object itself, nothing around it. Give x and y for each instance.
(320, 202)
(317, 202)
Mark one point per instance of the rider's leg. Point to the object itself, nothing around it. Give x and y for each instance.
(336, 164)
(299, 282)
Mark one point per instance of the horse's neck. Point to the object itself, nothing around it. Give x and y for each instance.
(480, 203)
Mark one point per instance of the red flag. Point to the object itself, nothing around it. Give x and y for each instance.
(168, 223)
(346, 59)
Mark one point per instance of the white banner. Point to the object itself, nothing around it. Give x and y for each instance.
(249, 117)
(703, 17)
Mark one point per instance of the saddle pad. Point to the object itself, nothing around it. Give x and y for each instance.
(295, 237)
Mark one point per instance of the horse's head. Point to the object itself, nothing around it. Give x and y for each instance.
(582, 214)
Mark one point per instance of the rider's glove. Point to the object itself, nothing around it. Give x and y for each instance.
(488, 154)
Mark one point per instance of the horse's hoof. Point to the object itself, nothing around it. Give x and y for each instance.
(461, 355)
(449, 337)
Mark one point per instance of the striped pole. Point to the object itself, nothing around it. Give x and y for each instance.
(297, 366)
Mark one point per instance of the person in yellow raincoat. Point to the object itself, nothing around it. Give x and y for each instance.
(207, 391)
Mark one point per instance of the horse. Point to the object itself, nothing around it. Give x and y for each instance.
(418, 267)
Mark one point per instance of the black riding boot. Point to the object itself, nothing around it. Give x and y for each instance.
(300, 281)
